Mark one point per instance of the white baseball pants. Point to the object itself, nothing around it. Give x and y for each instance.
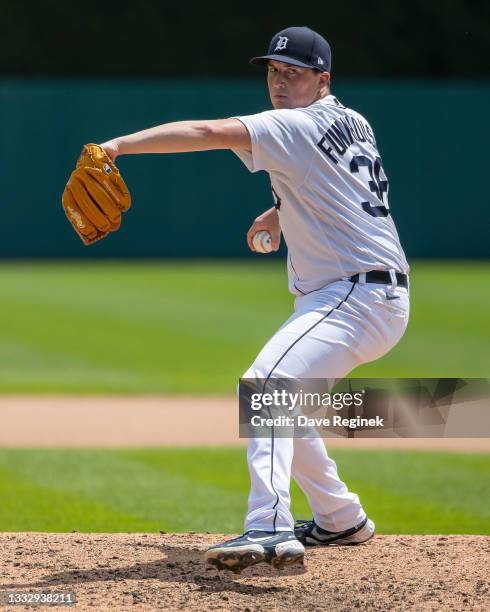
(332, 330)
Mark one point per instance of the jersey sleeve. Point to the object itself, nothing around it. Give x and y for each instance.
(281, 142)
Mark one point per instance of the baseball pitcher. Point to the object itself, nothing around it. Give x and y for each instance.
(346, 269)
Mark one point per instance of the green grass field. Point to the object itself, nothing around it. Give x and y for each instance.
(206, 490)
(194, 327)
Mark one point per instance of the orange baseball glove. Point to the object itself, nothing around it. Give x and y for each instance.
(95, 195)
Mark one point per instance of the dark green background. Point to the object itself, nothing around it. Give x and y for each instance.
(431, 136)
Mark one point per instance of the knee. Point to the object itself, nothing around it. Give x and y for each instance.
(256, 371)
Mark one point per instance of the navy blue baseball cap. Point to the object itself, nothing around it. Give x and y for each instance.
(300, 47)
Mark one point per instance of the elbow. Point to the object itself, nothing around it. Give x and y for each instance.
(208, 133)
(205, 129)
(223, 134)
(205, 135)
(215, 134)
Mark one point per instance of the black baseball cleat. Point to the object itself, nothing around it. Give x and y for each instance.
(310, 534)
(280, 549)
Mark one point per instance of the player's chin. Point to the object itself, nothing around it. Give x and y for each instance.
(281, 102)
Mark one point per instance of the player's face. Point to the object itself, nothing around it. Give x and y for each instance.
(294, 87)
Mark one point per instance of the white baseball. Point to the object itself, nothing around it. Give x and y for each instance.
(262, 242)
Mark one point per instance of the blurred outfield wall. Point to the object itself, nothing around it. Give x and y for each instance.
(432, 136)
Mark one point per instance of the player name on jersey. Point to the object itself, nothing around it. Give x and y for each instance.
(343, 132)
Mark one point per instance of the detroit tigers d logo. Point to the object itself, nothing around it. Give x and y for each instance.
(281, 43)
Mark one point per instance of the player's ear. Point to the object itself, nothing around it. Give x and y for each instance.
(325, 79)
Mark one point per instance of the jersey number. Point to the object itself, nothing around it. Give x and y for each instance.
(377, 185)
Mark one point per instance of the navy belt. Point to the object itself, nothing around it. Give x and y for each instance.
(383, 277)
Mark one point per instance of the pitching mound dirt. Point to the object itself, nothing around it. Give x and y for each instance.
(166, 572)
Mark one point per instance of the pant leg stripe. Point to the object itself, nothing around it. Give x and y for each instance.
(267, 379)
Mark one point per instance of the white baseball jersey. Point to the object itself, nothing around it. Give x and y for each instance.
(330, 190)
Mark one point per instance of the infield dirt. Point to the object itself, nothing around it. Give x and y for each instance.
(166, 572)
(160, 420)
